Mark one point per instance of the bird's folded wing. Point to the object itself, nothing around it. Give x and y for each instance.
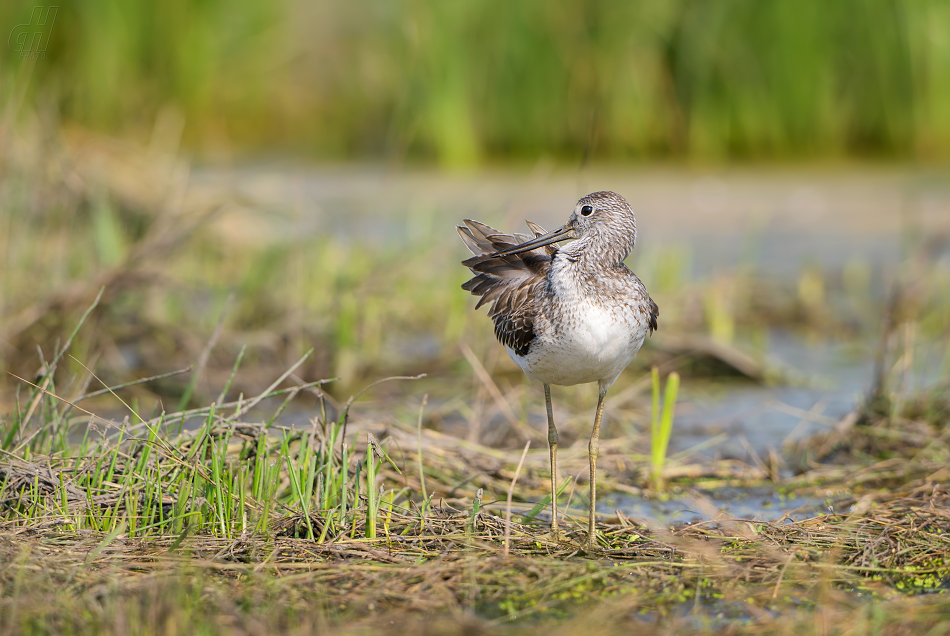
(513, 283)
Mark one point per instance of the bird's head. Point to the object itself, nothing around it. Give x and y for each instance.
(602, 223)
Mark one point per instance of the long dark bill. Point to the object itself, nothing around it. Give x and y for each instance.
(560, 234)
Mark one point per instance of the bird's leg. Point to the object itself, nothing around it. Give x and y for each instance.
(593, 450)
(552, 444)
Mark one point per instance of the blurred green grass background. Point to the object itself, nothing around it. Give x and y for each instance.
(94, 191)
(470, 82)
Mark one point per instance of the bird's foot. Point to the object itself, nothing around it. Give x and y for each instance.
(554, 535)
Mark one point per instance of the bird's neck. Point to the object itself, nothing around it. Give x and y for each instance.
(593, 253)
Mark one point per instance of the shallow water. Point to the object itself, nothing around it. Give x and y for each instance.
(757, 504)
(827, 381)
(778, 219)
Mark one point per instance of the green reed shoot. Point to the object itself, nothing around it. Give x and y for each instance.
(545, 502)
(372, 464)
(476, 506)
(422, 474)
(661, 423)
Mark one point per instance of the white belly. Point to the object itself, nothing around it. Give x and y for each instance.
(590, 344)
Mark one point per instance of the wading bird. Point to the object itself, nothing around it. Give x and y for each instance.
(566, 315)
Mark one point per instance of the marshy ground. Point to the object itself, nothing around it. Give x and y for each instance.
(238, 476)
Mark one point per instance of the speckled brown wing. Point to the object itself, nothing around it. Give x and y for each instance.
(642, 298)
(513, 283)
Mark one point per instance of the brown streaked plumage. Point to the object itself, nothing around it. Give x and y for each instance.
(566, 315)
(510, 281)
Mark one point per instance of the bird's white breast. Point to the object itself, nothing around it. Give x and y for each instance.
(584, 335)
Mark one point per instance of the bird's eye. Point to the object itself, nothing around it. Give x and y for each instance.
(587, 210)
